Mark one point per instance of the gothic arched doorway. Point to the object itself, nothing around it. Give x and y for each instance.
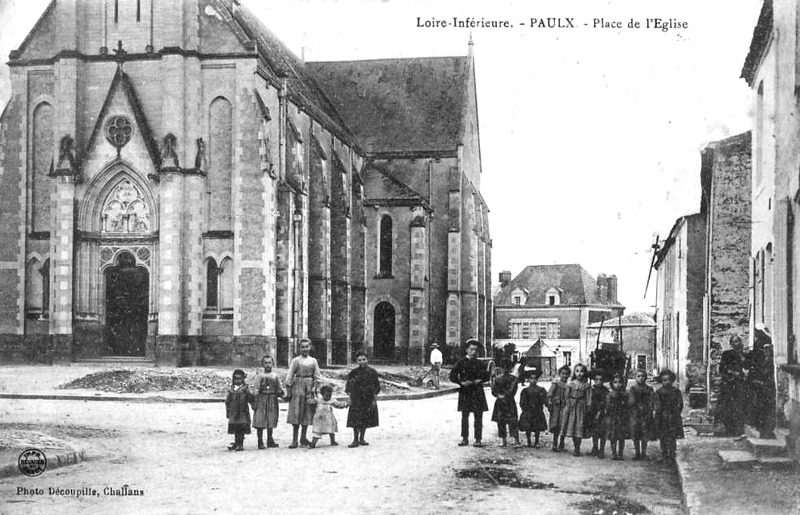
(383, 340)
(127, 292)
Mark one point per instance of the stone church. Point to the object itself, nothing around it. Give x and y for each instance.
(176, 185)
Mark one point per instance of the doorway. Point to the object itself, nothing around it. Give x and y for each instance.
(383, 343)
(127, 301)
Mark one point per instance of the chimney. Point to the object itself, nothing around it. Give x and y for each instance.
(602, 289)
(505, 278)
(612, 289)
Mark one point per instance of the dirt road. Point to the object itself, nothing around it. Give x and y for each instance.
(176, 454)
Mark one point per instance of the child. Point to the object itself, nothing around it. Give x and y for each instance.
(265, 410)
(505, 407)
(579, 400)
(238, 410)
(363, 387)
(618, 416)
(596, 416)
(324, 419)
(556, 399)
(641, 414)
(532, 401)
(668, 408)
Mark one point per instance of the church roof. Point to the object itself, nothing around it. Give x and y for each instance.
(577, 286)
(630, 320)
(302, 88)
(382, 188)
(400, 105)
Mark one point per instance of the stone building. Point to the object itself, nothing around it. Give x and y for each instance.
(175, 184)
(554, 303)
(680, 284)
(635, 333)
(725, 205)
(770, 70)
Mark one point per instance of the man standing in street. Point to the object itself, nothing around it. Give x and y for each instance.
(470, 374)
(436, 363)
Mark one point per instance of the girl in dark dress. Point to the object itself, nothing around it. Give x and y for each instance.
(668, 421)
(532, 401)
(505, 407)
(363, 386)
(237, 409)
(641, 415)
(618, 417)
(596, 416)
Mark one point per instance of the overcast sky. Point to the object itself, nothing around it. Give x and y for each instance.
(590, 138)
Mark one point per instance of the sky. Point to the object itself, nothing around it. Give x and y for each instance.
(590, 137)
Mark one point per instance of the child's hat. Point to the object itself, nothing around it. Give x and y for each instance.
(434, 344)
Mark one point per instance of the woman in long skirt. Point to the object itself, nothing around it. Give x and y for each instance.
(363, 386)
(301, 384)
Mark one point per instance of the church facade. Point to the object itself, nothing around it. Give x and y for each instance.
(176, 185)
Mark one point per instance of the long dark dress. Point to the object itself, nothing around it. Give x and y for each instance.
(237, 409)
(470, 398)
(532, 401)
(642, 412)
(618, 415)
(363, 386)
(760, 384)
(505, 409)
(596, 415)
(732, 392)
(556, 399)
(668, 408)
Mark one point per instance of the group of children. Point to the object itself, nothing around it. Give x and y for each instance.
(582, 409)
(264, 402)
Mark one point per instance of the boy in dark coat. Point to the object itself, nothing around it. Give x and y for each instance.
(596, 415)
(237, 408)
(470, 374)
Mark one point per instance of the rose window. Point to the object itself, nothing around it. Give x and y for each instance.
(118, 131)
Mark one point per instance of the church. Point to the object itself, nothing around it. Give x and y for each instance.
(177, 186)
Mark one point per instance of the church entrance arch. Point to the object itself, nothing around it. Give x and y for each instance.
(384, 331)
(127, 301)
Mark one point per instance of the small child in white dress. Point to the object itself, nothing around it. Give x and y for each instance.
(324, 419)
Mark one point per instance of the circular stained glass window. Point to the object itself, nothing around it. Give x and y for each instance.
(119, 130)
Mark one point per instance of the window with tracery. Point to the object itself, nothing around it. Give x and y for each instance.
(125, 210)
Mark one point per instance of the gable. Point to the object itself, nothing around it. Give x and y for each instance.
(120, 110)
(40, 41)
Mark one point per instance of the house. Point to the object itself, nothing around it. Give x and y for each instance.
(680, 285)
(177, 186)
(770, 70)
(634, 333)
(554, 303)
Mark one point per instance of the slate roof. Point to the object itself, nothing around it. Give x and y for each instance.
(380, 187)
(576, 284)
(302, 88)
(631, 320)
(761, 35)
(399, 105)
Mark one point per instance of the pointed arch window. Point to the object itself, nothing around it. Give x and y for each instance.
(385, 247)
(125, 210)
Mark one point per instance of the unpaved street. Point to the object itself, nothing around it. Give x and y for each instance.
(176, 454)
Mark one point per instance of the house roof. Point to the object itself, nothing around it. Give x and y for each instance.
(400, 105)
(577, 286)
(761, 35)
(673, 233)
(631, 320)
